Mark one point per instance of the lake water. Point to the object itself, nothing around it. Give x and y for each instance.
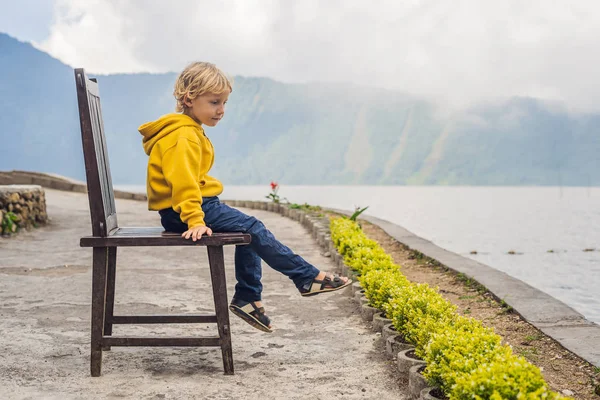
(531, 221)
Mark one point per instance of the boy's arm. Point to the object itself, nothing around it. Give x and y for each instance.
(181, 168)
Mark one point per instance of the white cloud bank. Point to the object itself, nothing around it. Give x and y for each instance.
(457, 52)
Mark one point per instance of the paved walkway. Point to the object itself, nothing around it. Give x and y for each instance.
(321, 349)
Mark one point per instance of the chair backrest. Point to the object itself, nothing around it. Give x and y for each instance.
(100, 190)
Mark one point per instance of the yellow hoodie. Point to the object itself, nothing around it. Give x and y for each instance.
(180, 157)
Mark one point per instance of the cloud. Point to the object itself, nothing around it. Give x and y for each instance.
(458, 53)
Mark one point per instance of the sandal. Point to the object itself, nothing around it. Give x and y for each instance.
(253, 315)
(329, 284)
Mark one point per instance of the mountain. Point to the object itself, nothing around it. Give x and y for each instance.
(38, 112)
(315, 133)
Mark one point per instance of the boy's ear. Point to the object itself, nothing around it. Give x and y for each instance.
(187, 102)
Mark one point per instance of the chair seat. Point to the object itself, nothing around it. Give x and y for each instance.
(157, 236)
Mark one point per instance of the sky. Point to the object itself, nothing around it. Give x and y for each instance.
(455, 52)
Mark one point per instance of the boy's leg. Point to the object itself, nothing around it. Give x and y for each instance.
(248, 273)
(222, 218)
(248, 269)
(171, 221)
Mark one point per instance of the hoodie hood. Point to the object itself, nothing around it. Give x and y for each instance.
(156, 130)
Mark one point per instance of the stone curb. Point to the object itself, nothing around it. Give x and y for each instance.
(394, 345)
(416, 381)
(367, 312)
(405, 362)
(388, 330)
(379, 321)
(426, 395)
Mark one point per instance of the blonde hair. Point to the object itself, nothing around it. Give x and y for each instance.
(197, 79)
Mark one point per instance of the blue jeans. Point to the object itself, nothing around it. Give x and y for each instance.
(221, 218)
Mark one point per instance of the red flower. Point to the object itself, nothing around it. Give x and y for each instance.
(274, 185)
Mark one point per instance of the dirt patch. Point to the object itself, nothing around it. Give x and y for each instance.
(564, 371)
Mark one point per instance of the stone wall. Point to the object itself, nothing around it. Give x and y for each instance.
(26, 202)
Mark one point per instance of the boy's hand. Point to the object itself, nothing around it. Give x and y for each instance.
(197, 232)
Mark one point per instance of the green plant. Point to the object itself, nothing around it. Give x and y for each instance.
(506, 307)
(471, 283)
(382, 284)
(531, 338)
(506, 377)
(416, 255)
(367, 257)
(417, 311)
(305, 207)
(528, 352)
(357, 212)
(9, 222)
(464, 278)
(458, 349)
(273, 195)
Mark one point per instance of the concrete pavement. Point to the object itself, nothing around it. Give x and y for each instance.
(321, 348)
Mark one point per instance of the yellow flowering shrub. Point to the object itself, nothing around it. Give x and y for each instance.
(422, 329)
(458, 350)
(381, 284)
(464, 358)
(364, 259)
(360, 253)
(507, 377)
(418, 306)
(344, 231)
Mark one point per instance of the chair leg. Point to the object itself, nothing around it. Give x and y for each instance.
(99, 266)
(217, 274)
(110, 293)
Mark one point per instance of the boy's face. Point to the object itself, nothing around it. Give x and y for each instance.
(208, 108)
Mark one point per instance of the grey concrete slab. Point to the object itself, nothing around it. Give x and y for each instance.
(546, 313)
(581, 339)
(320, 349)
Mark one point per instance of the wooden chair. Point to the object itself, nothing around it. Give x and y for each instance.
(107, 236)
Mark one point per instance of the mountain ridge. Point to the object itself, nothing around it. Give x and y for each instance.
(312, 133)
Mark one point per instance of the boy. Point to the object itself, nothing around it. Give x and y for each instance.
(180, 189)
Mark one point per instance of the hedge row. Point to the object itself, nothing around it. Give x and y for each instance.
(464, 358)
